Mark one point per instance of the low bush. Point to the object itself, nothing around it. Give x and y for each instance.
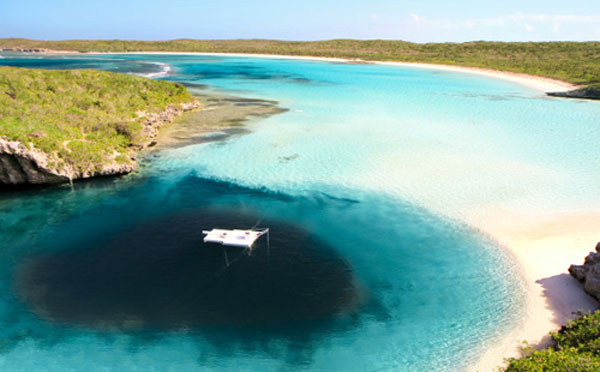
(576, 349)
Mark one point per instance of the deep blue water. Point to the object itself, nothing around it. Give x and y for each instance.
(363, 183)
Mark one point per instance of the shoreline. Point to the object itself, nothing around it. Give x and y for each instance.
(539, 83)
(543, 245)
(532, 81)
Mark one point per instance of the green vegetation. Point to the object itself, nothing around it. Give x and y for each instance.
(575, 62)
(577, 349)
(82, 117)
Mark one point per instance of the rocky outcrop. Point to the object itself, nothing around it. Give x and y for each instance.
(592, 92)
(19, 165)
(152, 122)
(589, 273)
(22, 164)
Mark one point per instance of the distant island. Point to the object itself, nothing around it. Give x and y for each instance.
(58, 126)
(572, 62)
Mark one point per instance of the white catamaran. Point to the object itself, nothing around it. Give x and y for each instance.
(234, 238)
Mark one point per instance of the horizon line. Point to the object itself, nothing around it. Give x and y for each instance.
(306, 41)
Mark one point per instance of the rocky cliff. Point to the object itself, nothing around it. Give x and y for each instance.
(589, 273)
(24, 164)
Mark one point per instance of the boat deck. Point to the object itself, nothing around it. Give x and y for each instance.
(234, 238)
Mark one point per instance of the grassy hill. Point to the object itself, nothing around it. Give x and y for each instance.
(83, 119)
(575, 62)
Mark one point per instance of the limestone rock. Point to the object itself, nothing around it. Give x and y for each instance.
(22, 164)
(577, 272)
(589, 273)
(152, 122)
(591, 92)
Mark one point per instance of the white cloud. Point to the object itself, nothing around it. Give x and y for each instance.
(528, 21)
(524, 19)
(374, 16)
(509, 27)
(554, 17)
(416, 18)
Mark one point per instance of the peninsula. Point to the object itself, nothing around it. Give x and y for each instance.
(58, 126)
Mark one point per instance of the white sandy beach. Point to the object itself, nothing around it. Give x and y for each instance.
(544, 245)
(536, 82)
(531, 81)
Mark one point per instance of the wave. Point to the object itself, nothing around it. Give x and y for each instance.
(164, 70)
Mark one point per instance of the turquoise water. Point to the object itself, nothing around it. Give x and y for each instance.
(364, 181)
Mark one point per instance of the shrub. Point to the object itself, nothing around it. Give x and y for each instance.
(549, 360)
(576, 349)
(582, 333)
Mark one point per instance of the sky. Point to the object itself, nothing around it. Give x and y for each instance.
(416, 21)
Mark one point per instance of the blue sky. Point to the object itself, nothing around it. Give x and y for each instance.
(417, 21)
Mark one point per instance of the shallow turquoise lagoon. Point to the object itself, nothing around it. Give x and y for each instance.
(365, 183)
